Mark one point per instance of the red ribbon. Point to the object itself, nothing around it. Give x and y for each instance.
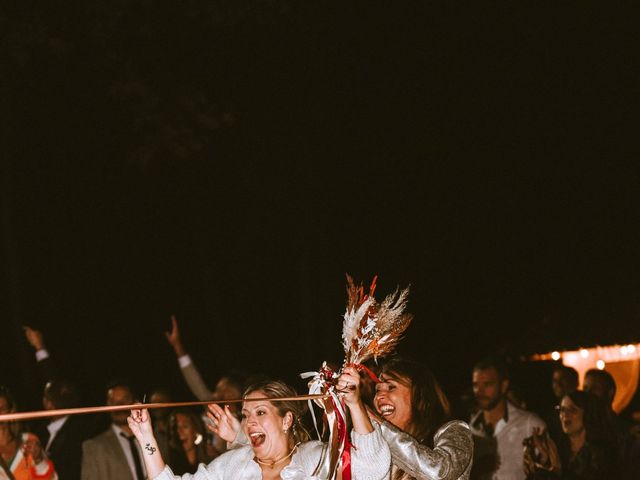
(343, 439)
(367, 370)
(341, 421)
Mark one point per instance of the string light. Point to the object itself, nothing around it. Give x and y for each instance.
(624, 357)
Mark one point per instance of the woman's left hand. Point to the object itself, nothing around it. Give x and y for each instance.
(349, 386)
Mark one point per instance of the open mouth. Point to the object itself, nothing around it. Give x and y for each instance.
(257, 439)
(387, 410)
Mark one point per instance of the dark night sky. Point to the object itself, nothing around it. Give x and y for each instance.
(230, 161)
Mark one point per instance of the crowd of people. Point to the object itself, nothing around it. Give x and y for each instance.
(401, 427)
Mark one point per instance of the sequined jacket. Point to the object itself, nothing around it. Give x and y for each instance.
(449, 459)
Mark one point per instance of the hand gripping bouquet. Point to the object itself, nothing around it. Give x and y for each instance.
(371, 329)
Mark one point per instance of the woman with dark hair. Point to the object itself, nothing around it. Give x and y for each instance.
(21, 454)
(415, 422)
(187, 436)
(587, 446)
(278, 446)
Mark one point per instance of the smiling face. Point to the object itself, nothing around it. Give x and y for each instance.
(571, 417)
(265, 428)
(393, 400)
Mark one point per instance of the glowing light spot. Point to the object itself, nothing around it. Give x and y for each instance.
(631, 348)
(555, 356)
(624, 350)
(584, 353)
(570, 359)
(600, 364)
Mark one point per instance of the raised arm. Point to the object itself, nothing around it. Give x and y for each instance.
(140, 425)
(189, 371)
(45, 365)
(349, 385)
(371, 457)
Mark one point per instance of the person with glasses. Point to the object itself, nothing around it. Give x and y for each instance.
(587, 448)
(279, 446)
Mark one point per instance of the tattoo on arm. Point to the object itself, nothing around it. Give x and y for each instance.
(150, 449)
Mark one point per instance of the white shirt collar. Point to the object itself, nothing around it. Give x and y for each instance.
(54, 427)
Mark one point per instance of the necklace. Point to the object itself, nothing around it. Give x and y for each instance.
(275, 462)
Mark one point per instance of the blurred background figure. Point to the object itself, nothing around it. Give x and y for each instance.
(62, 436)
(188, 440)
(588, 445)
(564, 380)
(602, 384)
(21, 454)
(114, 454)
(499, 428)
(160, 419)
(229, 387)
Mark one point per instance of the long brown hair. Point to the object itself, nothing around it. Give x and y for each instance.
(430, 408)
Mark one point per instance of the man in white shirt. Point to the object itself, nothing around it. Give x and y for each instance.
(499, 427)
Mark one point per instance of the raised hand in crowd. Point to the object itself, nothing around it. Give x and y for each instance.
(173, 337)
(35, 338)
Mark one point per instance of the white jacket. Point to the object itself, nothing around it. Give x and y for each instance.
(370, 460)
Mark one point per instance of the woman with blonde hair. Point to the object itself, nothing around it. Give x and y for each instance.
(278, 444)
